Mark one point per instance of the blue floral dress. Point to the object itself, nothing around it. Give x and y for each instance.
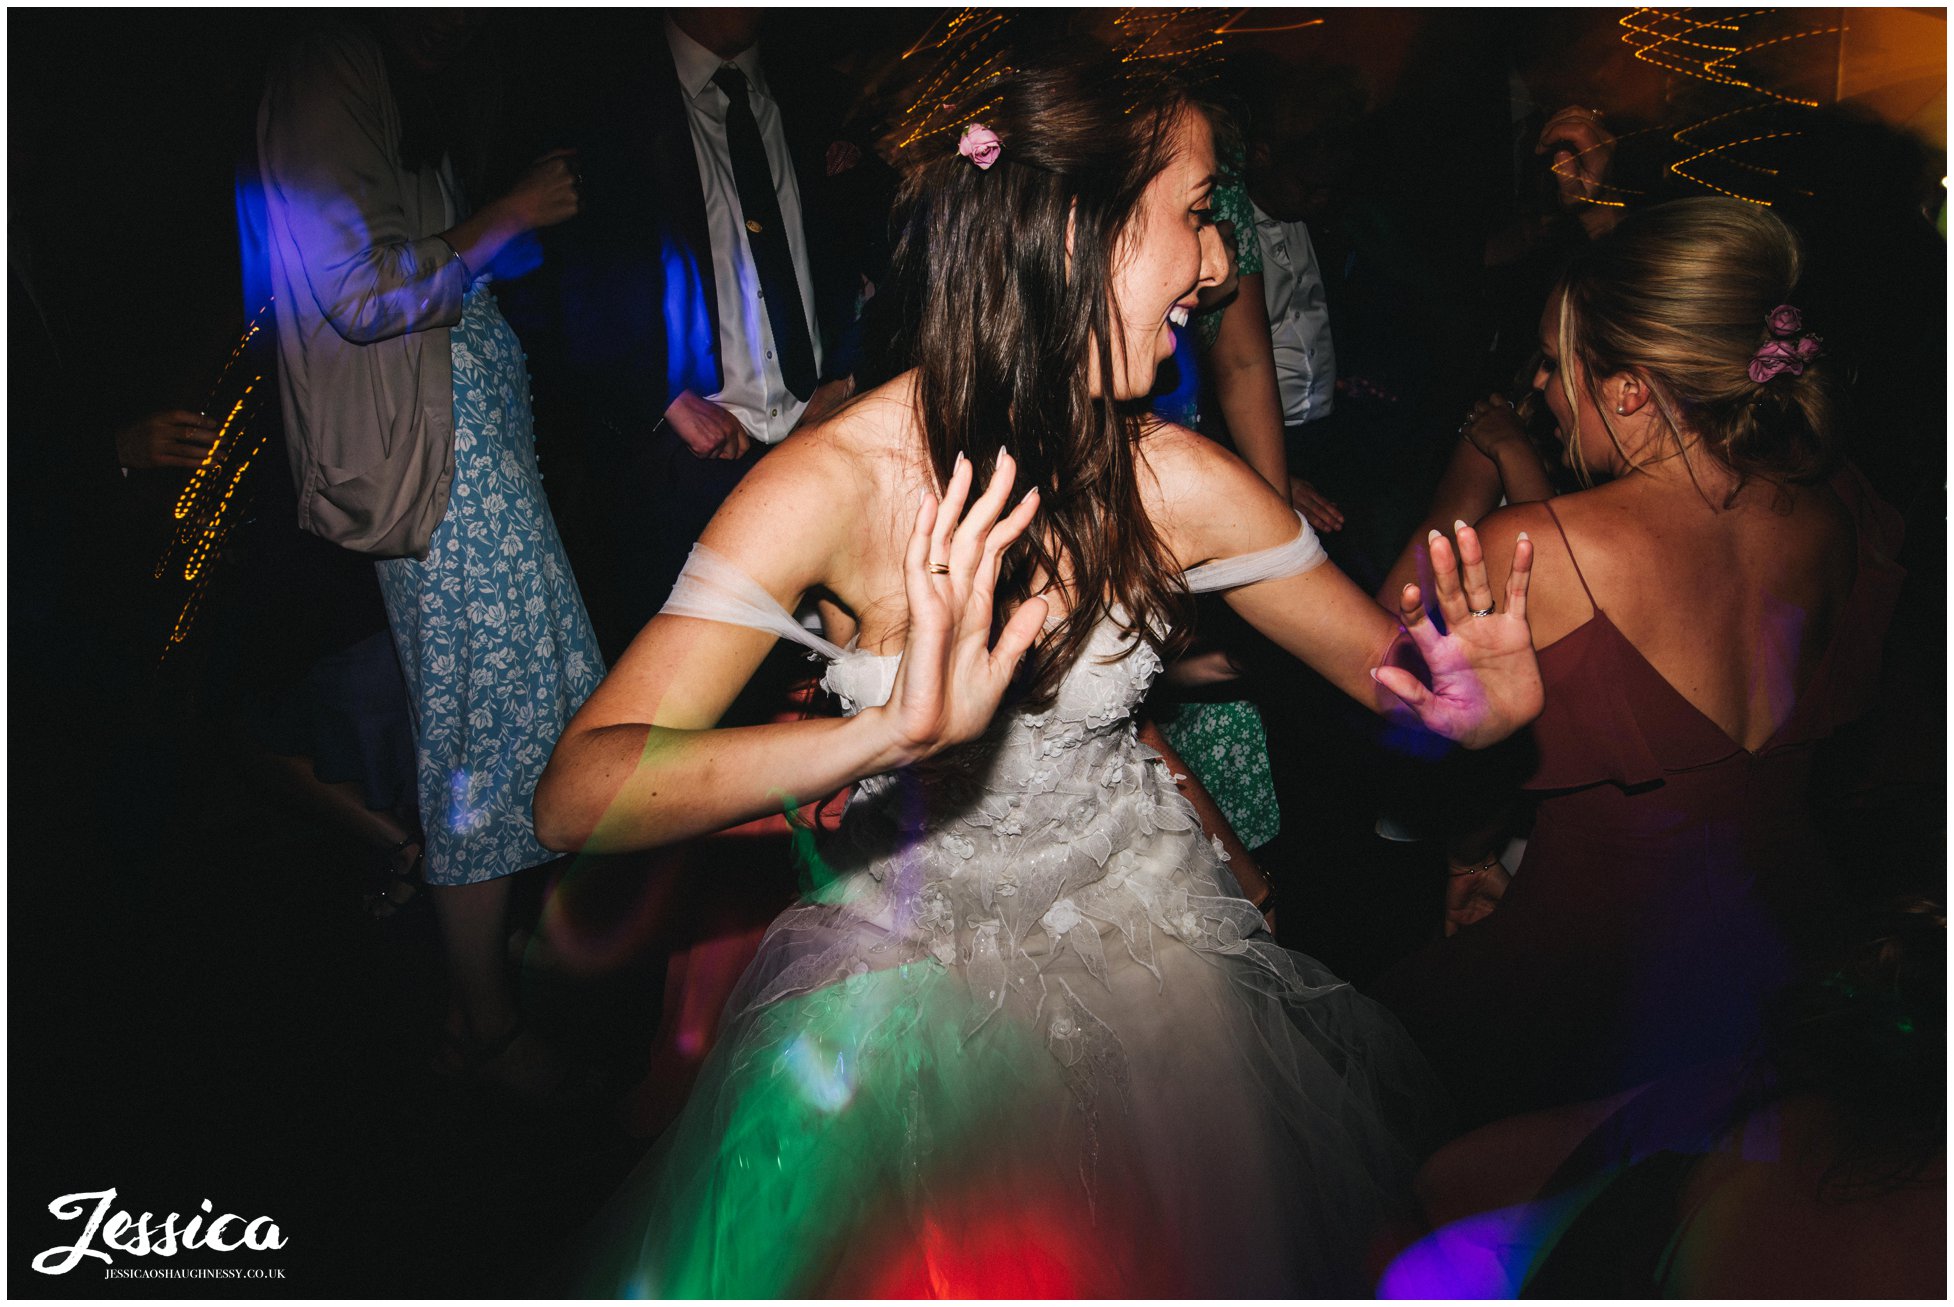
(493, 637)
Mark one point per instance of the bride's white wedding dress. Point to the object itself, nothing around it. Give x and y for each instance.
(1025, 1038)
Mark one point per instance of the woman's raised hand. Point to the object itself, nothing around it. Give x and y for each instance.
(1494, 427)
(952, 678)
(1485, 683)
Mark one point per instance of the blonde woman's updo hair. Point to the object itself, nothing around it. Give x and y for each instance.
(1681, 293)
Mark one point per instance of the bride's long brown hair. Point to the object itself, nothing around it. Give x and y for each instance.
(1000, 319)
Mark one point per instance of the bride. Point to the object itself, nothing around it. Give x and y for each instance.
(1023, 1037)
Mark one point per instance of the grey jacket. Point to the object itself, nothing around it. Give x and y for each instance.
(364, 292)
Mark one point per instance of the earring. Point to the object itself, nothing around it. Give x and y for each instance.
(1621, 410)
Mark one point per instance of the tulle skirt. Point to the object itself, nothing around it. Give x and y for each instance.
(1178, 1120)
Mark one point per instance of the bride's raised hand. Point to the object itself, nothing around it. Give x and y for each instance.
(952, 677)
(1485, 682)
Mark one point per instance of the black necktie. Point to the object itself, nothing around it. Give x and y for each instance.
(766, 236)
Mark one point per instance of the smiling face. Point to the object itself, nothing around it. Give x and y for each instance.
(1168, 252)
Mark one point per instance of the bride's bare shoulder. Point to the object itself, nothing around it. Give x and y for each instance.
(811, 494)
(1205, 502)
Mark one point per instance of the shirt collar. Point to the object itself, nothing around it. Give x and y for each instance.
(696, 64)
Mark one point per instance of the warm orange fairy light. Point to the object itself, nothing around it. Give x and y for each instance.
(1659, 51)
(202, 511)
(1232, 27)
(187, 615)
(1681, 134)
(211, 458)
(964, 38)
(217, 528)
(1555, 168)
(940, 105)
(1662, 38)
(1780, 40)
(1677, 167)
(1165, 33)
(1676, 38)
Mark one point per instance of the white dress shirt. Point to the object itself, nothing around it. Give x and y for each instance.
(751, 387)
(1299, 320)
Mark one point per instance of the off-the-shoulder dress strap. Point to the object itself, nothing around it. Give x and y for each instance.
(712, 587)
(1296, 557)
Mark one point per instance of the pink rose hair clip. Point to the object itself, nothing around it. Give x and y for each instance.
(1788, 350)
(980, 145)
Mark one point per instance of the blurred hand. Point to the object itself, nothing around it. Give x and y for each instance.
(1582, 150)
(1485, 682)
(708, 430)
(1316, 509)
(547, 193)
(842, 156)
(1191, 671)
(827, 397)
(172, 438)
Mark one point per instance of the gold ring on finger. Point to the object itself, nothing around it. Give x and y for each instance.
(939, 569)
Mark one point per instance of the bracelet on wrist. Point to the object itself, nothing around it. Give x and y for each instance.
(467, 275)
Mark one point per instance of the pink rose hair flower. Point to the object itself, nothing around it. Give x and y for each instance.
(1787, 350)
(980, 145)
(1773, 357)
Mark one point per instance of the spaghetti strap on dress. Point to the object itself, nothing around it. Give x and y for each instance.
(1024, 1037)
(1568, 545)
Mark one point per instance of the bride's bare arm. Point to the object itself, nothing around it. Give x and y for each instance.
(644, 762)
(1483, 681)
(1213, 506)
(641, 763)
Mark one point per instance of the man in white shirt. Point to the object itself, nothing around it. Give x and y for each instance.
(1299, 320)
(717, 59)
(706, 309)
(1283, 195)
(1298, 121)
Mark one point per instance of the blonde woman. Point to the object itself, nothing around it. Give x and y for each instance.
(1709, 608)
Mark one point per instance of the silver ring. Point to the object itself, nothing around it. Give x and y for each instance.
(1480, 612)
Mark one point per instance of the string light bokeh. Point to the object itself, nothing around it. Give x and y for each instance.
(216, 493)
